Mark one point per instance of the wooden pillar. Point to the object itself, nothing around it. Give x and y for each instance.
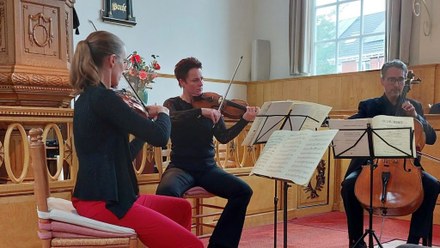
(36, 46)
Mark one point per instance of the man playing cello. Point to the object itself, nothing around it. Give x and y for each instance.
(393, 76)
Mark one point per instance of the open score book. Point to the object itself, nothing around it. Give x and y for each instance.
(392, 136)
(292, 148)
(293, 155)
(296, 115)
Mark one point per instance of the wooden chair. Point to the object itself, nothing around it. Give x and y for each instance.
(196, 195)
(59, 225)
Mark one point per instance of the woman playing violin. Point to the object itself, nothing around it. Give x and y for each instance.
(192, 156)
(393, 76)
(106, 188)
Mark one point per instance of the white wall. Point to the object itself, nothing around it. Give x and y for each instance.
(272, 23)
(216, 32)
(425, 49)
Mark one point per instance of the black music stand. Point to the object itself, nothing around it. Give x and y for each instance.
(372, 155)
(270, 124)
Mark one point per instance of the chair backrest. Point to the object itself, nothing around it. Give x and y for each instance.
(58, 221)
(38, 159)
(162, 157)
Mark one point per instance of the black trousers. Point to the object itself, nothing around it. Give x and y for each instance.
(420, 220)
(227, 232)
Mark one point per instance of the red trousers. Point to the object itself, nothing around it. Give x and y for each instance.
(159, 221)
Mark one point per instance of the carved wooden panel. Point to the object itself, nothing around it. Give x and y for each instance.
(35, 44)
(317, 191)
(40, 29)
(2, 27)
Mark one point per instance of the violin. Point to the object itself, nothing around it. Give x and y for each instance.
(397, 188)
(132, 102)
(233, 109)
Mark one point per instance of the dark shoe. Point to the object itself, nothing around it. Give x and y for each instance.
(361, 244)
(413, 239)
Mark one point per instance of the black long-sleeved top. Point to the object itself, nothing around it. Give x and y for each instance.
(382, 106)
(192, 135)
(102, 123)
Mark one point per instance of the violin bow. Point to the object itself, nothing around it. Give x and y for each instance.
(230, 83)
(125, 76)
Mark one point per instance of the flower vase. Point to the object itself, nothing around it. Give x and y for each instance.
(142, 92)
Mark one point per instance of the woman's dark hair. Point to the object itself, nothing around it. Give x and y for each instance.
(183, 66)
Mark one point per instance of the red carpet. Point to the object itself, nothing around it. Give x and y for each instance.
(325, 230)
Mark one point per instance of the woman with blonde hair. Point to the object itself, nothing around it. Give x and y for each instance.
(106, 187)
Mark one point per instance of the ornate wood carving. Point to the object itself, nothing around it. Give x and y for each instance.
(68, 23)
(2, 154)
(40, 30)
(33, 70)
(319, 181)
(2, 27)
(38, 79)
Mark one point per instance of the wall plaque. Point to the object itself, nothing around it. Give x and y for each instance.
(119, 12)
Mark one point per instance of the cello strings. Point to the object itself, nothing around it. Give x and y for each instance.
(430, 157)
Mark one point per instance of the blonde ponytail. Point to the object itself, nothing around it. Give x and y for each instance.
(88, 57)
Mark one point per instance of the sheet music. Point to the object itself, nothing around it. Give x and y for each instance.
(396, 132)
(293, 155)
(303, 115)
(316, 112)
(263, 126)
(344, 143)
(399, 138)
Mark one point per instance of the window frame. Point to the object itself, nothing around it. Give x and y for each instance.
(361, 37)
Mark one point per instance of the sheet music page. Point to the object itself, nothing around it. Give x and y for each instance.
(316, 113)
(272, 159)
(293, 155)
(397, 133)
(256, 125)
(272, 115)
(268, 120)
(351, 139)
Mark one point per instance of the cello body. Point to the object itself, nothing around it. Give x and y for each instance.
(397, 188)
(397, 183)
(403, 193)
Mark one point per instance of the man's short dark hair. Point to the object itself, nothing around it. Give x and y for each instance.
(396, 63)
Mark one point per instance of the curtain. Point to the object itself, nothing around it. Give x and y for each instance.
(398, 30)
(299, 37)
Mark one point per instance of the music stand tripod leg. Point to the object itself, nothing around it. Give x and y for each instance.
(286, 187)
(275, 206)
(370, 230)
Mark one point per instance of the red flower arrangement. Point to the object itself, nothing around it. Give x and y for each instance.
(140, 73)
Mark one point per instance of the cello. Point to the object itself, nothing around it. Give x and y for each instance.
(398, 189)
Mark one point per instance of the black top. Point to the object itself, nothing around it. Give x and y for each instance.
(192, 135)
(382, 106)
(102, 123)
